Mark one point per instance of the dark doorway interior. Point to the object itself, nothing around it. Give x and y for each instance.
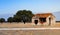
(49, 21)
(42, 19)
(36, 22)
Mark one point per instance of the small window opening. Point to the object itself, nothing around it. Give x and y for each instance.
(42, 19)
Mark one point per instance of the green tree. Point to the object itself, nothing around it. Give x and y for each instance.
(2, 20)
(10, 19)
(24, 15)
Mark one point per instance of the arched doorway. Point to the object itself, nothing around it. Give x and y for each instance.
(36, 22)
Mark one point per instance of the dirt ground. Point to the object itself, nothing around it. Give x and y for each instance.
(27, 25)
(29, 32)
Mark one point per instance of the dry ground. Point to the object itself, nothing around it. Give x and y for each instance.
(27, 25)
(29, 32)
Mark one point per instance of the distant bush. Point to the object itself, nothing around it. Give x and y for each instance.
(2, 20)
(10, 19)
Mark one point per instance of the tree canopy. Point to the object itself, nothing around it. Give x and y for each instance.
(23, 15)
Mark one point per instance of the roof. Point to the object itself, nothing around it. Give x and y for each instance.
(43, 15)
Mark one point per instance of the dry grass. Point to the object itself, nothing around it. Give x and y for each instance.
(57, 24)
(27, 25)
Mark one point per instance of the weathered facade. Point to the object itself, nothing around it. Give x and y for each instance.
(44, 18)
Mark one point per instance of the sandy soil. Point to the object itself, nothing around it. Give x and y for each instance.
(29, 32)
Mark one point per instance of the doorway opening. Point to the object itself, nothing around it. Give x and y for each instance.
(49, 21)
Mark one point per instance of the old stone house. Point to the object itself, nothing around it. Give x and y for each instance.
(44, 18)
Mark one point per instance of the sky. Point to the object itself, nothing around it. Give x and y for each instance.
(36, 6)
